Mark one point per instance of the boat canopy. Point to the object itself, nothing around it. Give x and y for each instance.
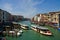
(34, 26)
(23, 24)
(15, 23)
(42, 28)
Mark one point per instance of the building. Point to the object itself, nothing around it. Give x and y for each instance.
(54, 19)
(5, 16)
(5, 20)
(17, 17)
(51, 18)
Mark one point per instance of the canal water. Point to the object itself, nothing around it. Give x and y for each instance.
(32, 35)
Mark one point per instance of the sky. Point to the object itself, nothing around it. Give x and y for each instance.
(29, 8)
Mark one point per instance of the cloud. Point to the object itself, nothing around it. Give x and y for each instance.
(38, 2)
(23, 7)
(8, 7)
(28, 8)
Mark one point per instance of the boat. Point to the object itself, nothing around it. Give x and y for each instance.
(41, 30)
(24, 27)
(33, 27)
(20, 31)
(44, 31)
(59, 29)
(14, 33)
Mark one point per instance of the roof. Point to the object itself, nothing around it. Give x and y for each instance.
(7, 26)
(44, 28)
(34, 25)
(24, 25)
(39, 27)
(15, 23)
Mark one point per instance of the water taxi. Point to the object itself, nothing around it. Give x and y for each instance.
(33, 27)
(42, 30)
(24, 27)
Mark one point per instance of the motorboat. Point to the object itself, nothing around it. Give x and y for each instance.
(41, 29)
(24, 26)
(44, 30)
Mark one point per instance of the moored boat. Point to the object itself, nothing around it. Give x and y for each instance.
(13, 33)
(18, 33)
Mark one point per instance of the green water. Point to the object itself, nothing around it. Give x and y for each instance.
(32, 35)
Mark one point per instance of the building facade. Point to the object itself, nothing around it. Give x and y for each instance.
(5, 16)
(51, 18)
(54, 18)
(17, 17)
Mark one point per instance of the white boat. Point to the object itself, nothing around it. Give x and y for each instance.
(11, 32)
(33, 27)
(14, 33)
(40, 29)
(18, 33)
(24, 26)
(44, 31)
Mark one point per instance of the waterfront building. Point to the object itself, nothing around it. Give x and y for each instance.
(39, 18)
(17, 17)
(5, 16)
(51, 18)
(35, 18)
(44, 17)
(55, 19)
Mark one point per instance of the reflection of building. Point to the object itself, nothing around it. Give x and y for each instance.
(51, 18)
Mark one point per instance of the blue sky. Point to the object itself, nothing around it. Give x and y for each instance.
(29, 8)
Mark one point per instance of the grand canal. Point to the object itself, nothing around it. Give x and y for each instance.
(32, 35)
